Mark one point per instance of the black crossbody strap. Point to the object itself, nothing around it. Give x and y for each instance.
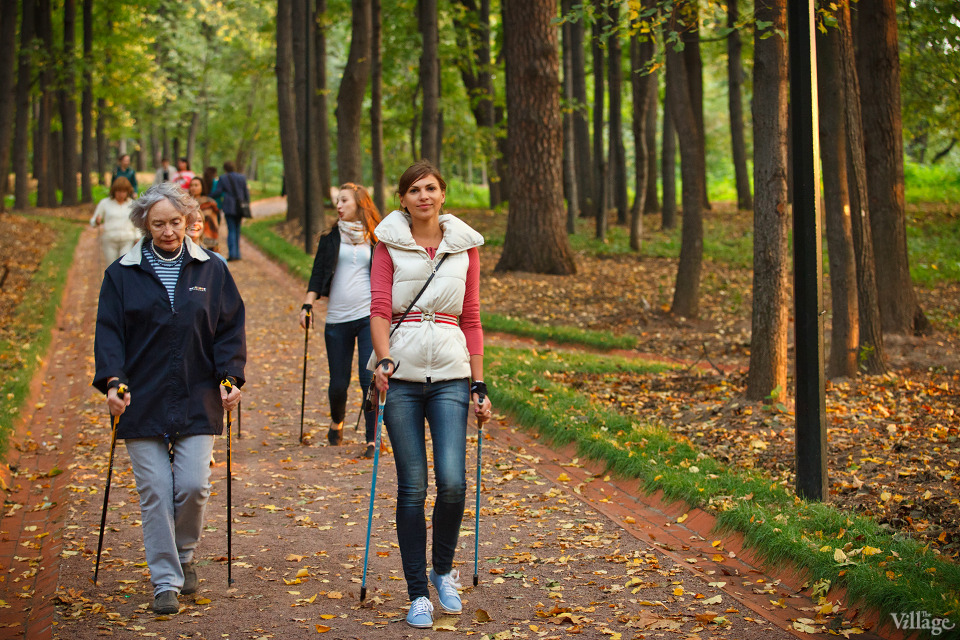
(417, 297)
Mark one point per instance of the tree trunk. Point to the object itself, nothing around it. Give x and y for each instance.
(192, 138)
(292, 173)
(350, 97)
(477, 76)
(571, 189)
(308, 149)
(693, 60)
(21, 129)
(102, 177)
(46, 188)
(652, 200)
(86, 106)
(322, 127)
(376, 109)
(871, 333)
(599, 157)
(845, 330)
(686, 294)
(8, 54)
(668, 161)
(581, 124)
(771, 213)
(878, 69)
(618, 159)
(430, 80)
(735, 81)
(641, 84)
(534, 142)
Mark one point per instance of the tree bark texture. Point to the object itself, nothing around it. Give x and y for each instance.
(868, 305)
(581, 124)
(477, 76)
(46, 184)
(738, 144)
(292, 171)
(641, 85)
(430, 81)
(8, 55)
(668, 163)
(321, 125)
(771, 215)
(570, 189)
(86, 106)
(599, 157)
(376, 108)
(686, 294)
(693, 60)
(535, 239)
(618, 156)
(652, 201)
(21, 129)
(303, 27)
(68, 106)
(350, 97)
(845, 330)
(878, 59)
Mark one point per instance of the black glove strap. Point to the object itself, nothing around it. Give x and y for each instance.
(479, 387)
(387, 361)
(307, 307)
(229, 381)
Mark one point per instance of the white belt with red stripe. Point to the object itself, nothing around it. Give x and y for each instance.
(429, 316)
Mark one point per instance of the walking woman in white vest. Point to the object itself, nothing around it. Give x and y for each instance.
(433, 367)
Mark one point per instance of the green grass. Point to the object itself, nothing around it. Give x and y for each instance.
(32, 323)
(934, 247)
(560, 334)
(97, 192)
(927, 183)
(260, 232)
(889, 573)
(461, 195)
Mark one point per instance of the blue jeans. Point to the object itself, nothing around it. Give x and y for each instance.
(233, 236)
(444, 405)
(339, 338)
(172, 501)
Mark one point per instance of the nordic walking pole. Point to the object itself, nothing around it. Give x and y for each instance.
(239, 420)
(373, 490)
(368, 398)
(229, 385)
(476, 528)
(121, 391)
(306, 341)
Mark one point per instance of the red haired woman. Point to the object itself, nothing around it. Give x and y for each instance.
(341, 272)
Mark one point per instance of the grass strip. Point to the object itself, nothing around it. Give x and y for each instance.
(32, 323)
(260, 232)
(890, 573)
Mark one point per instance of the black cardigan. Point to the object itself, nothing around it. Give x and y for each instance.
(325, 263)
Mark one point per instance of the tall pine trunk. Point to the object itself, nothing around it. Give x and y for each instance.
(868, 306)
(693, 60)
(534, 141)
(845, 330)
(686, 294)
(350, 97)
(618, 156)
(292, 171)
(771, 212)
(581, 123)
(738, 144)
(320, 101)
(46, 183)
(878, 60)
(641, 85)
(570, 186)
(599, 157)
(430, 81)
(668, 164)
(86, 106)
(8, 54)
(376, 108)
(21, 129)
(652, 200)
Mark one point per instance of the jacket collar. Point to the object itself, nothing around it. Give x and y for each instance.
(394, 231)
(133, 257)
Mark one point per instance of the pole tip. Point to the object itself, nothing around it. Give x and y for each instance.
(363, 594)
(476, 580)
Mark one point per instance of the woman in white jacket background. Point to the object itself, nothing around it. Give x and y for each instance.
(117, 235)
(426, 367)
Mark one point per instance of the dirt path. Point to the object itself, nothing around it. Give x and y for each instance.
(563, 548)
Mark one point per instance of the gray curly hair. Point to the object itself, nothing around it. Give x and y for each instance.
(180, 199)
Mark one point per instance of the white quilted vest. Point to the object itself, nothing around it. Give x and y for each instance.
(428, 349)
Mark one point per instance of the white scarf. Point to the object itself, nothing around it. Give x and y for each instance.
(353, 231)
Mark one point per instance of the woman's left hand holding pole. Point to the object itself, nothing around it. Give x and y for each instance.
(230, 396)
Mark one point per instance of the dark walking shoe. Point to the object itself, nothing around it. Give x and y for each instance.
(166, 603)
(371, 448)
(190, 579)
(335, 436)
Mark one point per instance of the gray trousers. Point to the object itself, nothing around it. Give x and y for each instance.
(172, 500)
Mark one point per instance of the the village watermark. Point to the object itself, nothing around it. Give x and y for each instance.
(922, 621)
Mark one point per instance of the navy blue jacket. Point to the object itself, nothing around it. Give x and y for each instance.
(325, 263)
(231, 187)
(172, 358)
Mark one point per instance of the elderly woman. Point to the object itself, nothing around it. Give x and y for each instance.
(171, 327)
(112, 214)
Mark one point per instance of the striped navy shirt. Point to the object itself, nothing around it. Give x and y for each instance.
(168, 272)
